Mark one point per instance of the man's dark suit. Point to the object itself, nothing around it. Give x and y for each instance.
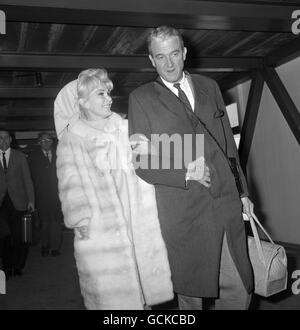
(16, 191)
(48, 204)
(193, 218)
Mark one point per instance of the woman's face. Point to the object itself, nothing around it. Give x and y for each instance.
(98, 104)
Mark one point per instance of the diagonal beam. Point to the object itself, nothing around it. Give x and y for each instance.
(249, 123)
(46, 62)
(218, 15)
(284, 101)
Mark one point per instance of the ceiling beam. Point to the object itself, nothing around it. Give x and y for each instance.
(212, 15)
(28, 92)
(14, 112)
(43, 62)
(233, 80)
(51, 93)
(285, 54)
(24, 125)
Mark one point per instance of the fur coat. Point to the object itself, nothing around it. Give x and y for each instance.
(123, 264)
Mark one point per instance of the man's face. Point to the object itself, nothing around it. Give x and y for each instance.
(45, 142)
(168, 58)
(5, 140)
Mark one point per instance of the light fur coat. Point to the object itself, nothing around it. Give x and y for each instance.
(123, 264)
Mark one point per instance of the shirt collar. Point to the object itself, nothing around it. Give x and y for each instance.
(7, 151)
(47, 152)
(171, 85)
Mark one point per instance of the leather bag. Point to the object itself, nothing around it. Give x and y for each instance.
(269, 262)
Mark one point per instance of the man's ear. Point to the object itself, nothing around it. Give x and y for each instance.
(151, 59)
(184, 53)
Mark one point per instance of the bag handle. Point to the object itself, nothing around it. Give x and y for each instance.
(262, 228)
(254, 220)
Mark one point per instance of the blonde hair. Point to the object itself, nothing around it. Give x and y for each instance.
(88, 80)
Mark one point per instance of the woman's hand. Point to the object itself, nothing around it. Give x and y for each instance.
(142, 146)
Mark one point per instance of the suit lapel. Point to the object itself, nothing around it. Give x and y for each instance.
(169, 99)
(11, 161)
(201, 97)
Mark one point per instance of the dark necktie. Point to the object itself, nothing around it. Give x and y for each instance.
(4, 161)
(48, 157)
(189, 110)
(182, 96)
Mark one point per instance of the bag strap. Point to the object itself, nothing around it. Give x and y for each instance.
(254, 220)
(262, 228)
(257, 241)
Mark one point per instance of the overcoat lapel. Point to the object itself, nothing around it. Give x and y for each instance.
(12, 159)
(170, 100)
(201, 97)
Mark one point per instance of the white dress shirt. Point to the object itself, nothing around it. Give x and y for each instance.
(49, 154)
(7, 156)
(185, 86)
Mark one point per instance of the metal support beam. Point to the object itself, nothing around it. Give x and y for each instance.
(27, 125)
(233, 80)
(249, 123)
(50, 93)
(213, 15)
(284, 101)
(129, 63)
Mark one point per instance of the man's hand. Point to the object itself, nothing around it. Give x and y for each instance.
(248, 207)
(82, 232)
(30, 206)
(199, 171)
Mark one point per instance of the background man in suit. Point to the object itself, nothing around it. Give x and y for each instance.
(43, 170)
(16, 196)
(199, 206)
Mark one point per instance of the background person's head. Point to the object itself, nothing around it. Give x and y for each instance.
(93, 89)
(5, 140)
(167, 52)
(45, 140)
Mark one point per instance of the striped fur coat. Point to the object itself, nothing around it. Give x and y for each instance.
(123, 264)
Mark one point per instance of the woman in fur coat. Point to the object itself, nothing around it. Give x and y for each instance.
(120, 254)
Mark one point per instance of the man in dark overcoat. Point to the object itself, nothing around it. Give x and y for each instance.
(16, 198)
(43, 170)
(199, 205)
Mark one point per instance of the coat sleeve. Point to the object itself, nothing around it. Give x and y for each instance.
(232, 150)
(74, 201)
(27, 179)
(139, 123)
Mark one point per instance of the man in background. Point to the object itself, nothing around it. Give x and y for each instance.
(16, 197)
(43, 170)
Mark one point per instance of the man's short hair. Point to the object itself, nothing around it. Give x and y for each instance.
(41, 134)
(164, 32)
(6, 131)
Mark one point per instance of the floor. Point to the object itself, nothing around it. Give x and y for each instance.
(51, 283)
